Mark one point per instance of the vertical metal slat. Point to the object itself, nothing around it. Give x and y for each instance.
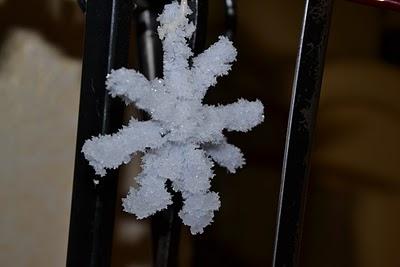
(302, 117)
(165, 224)
(92, 209)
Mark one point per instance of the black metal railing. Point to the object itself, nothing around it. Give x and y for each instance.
(92, 211)
(301, 123)
(106, 47)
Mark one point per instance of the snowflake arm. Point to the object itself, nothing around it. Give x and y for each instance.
(214, 62)
(133, 87)
(198, 211)
(174, 29)
(241, 116)
(110, 151)
(226, 155)
(150, 197)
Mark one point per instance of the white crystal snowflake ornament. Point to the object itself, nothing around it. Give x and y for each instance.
(183, 137)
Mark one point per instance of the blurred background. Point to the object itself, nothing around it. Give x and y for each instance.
(353, 212)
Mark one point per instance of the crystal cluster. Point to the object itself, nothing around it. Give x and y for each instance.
(183, 138)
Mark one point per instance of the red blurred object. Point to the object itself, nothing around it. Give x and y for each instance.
(386, 4)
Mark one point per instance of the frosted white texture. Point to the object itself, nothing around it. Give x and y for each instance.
(226, 155)
(183, 138)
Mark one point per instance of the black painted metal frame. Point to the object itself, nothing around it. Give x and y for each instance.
(165, 224)
(106, 48)
(301, 122)
(93, 202)
(302, 117)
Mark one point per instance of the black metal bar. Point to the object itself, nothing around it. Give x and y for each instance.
(82, 5)
(165, 225)
(230, 18)
(149, 45)
(93, 203)
(303, 113)
(199, 19)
